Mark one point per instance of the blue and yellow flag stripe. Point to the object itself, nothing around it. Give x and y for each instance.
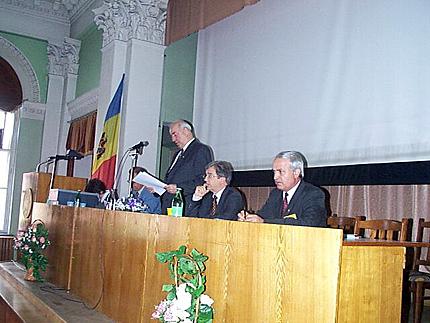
(104, 161)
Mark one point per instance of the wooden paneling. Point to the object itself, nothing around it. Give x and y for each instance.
(371, 284)
(39, 185)
(59, 220)
(255, 272)
(6, 248)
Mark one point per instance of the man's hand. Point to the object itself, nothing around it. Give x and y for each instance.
(244, 216)
(171, 188)
(254, 218)
(150, 189)
(201, 191)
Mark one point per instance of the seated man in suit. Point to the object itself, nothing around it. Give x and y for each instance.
(215, 199)
(146, 194)
(293, 201)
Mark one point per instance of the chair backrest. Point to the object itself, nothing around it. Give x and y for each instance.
(343, 222)
(422, 255)
(383, 229)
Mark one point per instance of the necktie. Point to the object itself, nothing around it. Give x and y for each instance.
(179, 155)
(214, 205)
(284, 209)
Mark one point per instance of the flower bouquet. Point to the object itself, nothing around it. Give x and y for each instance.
(185, 301)
(31, 243)
(130, 204)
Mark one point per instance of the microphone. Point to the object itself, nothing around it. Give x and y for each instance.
(140, 145)
(73, 154)
(70, 155)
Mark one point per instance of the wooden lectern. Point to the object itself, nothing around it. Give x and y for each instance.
(35, 188)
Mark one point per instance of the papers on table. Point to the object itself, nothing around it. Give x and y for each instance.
(148, 180)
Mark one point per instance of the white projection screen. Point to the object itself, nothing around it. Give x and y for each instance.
(343, 81)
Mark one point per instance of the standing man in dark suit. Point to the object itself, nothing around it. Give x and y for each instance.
(215, 199)
(188, 165)
(293, 201)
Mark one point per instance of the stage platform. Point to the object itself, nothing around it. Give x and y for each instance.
(40, 302)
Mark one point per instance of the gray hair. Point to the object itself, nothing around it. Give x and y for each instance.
(297, 160)
(184, 124)
(222, 169)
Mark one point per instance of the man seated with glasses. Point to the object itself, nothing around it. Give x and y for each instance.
(293, 201)
(215, 198)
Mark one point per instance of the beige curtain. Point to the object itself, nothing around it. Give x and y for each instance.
(81, 134)
(185, 17)
(373, 201)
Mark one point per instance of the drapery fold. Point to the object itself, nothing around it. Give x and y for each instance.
(185, 17)
(82, 133)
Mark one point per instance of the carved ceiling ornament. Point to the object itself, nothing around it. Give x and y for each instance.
(64, 59)
(132, 19)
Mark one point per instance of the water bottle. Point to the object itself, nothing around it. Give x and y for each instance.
(177, 203)
(78, 199)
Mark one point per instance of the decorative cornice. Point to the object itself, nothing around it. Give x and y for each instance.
(59, 10)
(21, 65)
(33, 110)
(52, 9)
(65, 58)
(84, 104)
(132, 19)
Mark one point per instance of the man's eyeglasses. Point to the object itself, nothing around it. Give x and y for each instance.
(210, 176)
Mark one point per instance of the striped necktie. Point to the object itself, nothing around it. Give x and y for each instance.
(214, 205)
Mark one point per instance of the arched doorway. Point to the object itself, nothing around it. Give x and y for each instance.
(10, 101)
(28, 91)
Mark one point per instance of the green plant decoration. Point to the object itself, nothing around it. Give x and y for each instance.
(185, 301)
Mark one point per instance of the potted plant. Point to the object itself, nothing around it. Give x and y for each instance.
(31, 243)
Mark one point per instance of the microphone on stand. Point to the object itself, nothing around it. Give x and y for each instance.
(139, 147)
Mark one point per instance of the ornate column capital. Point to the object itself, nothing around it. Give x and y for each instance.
(64, 58)
(132, 19)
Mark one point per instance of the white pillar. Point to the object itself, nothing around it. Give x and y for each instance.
(63, 69)
(133, 43)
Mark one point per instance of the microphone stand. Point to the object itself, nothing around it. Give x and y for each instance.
(54, 170)
(134, 157)
(47, 163)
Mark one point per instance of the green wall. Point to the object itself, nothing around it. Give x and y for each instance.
(27, 157)
(35, 50)
(177, 98)
(30, 132)
(90, 60)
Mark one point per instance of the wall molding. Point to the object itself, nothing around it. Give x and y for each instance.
(23, 68)
(33, 110)
(84, 104)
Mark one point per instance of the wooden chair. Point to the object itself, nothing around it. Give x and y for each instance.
(383, 229)
(420, 281)
(343, 222)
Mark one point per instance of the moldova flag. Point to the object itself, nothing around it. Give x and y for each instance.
(104, 161)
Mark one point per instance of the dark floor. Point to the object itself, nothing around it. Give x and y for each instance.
(426, 315)
(45, 295)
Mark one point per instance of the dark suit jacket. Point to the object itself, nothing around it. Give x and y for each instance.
(307, 203)
(187, 173)
(229, 205)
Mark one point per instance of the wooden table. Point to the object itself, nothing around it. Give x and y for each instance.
(255, 272)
